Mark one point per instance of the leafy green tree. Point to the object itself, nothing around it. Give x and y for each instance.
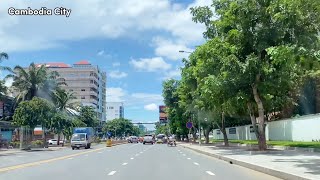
(120, 127)
(88, 116)
(37, 111)
(274, 44)
(176, 113)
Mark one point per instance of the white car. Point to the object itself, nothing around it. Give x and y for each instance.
(54, 142)
(148, 138)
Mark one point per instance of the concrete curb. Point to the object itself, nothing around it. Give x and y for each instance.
(272, 172)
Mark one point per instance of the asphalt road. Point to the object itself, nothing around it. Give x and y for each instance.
(130, 161)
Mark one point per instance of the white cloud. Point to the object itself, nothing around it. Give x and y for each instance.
(150, 65)
(172, 74)
(116, 64)
(170, 49)
(108, 19)
(8, 82)
(115, 94)
(117, 74)
(100, 53)
(147, 97)
(151, 107)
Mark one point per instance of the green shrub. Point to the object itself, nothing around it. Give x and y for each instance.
(37, 142)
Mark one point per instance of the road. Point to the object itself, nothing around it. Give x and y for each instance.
(129, 161)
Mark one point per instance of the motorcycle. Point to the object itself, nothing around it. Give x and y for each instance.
(171, 143)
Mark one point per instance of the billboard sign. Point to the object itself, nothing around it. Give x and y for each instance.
(163, 117)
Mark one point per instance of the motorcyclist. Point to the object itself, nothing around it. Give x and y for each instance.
(172, 140)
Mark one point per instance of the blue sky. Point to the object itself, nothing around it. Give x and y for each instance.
(135, 41)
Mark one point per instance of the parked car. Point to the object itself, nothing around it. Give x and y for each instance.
(54, 142)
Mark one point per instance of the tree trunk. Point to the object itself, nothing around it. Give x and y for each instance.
(194, 135)
(44, 137)
(223, 130)
(21, 137)
(58, 143)
(206, 135)
(261, 127)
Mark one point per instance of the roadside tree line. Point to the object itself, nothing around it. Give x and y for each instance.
(121, 128)
(257, 59)
(40, 100)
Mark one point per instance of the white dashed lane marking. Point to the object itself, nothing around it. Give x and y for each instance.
(188, 158)
(196, 163)
(131, 158)
(210, 173)
(112, 173)
(124, 164)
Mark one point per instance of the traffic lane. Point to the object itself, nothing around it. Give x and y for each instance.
(33, 156)
(221, 168)
(97, 164)
(161, 162)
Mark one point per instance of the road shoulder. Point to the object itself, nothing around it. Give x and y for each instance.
(250, 161)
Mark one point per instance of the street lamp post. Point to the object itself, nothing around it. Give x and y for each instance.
(182, 51)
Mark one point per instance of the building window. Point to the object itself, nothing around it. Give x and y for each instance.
(83, 90)
(110, 107)
(218, 131)
(83, 97)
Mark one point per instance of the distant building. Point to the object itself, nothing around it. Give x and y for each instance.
(87, 82)
(163, 117)
(115, 110)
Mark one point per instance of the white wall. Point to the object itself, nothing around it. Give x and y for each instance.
(114, 112)
(305, 128)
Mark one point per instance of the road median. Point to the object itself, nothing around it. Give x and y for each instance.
(266, 162)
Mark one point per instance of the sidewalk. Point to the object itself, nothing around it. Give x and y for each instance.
(285, 164)
(15, 151)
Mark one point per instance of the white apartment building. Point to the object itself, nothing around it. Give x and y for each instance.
(115, 110)
(87, 82)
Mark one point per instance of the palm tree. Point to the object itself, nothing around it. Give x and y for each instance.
(31, 82)
(4, 56)
(63, 101)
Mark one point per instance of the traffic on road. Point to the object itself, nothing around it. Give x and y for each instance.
(121, 162)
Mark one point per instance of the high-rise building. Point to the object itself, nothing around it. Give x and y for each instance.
(115, 110)
(87, 82)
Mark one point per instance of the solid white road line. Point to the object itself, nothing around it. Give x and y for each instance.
(99, 152)
(124, 164)
(112, 173)
(131, 158)
(70, 158)
(188, 158)
(210, 173)
(196, 163)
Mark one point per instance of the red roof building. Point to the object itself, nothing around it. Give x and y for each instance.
(83, 62)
